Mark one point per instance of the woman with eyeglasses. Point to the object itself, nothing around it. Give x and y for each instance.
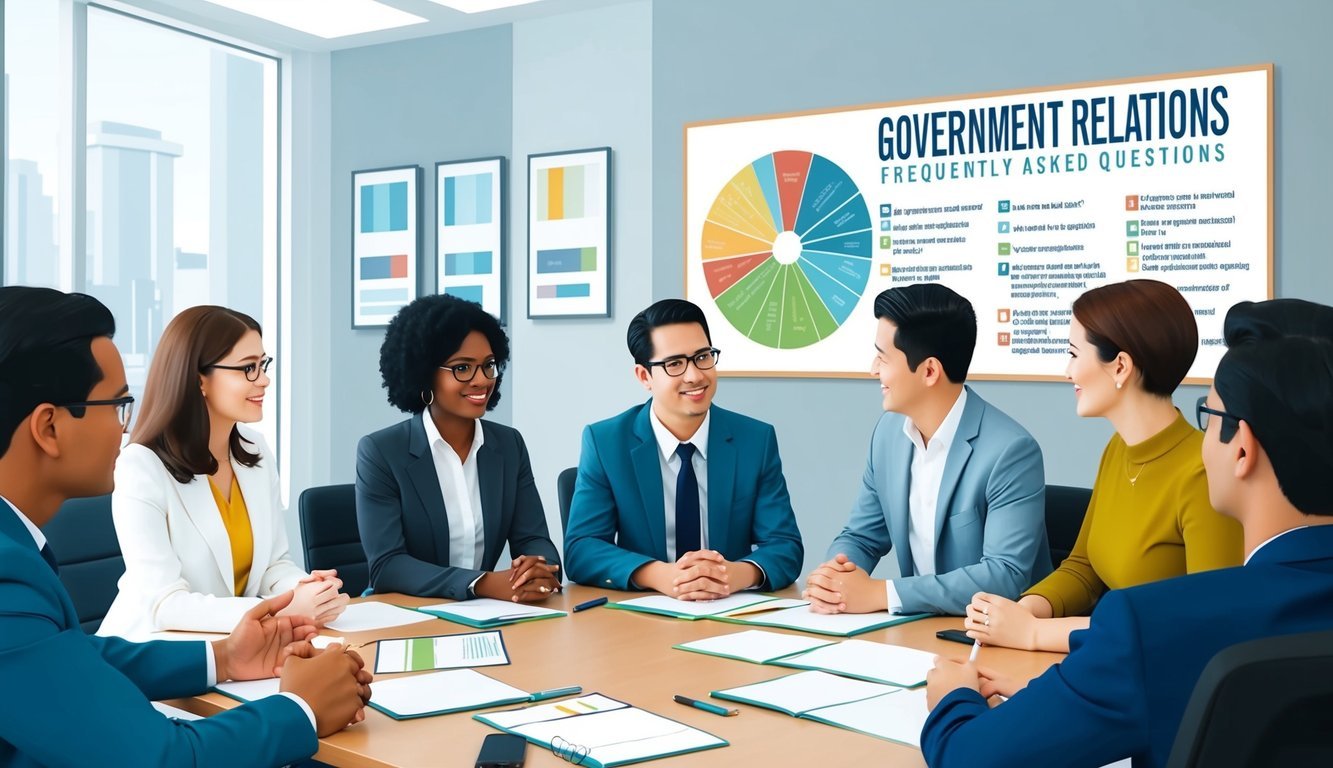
(196, 503)
(440, 494)
(1130, 346)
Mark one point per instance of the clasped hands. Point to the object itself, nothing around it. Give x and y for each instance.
(528, 580)
(319, 597)
(270, 643)
(839, 586)
(701, 575)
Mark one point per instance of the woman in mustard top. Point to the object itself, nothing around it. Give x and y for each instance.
(196, 503)
(1130, 346)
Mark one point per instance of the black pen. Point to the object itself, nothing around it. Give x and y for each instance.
(705, 706)
(593, 603)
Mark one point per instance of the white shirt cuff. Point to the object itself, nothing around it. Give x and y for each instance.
(472, 588)
(211, 666)
(895, 603)
(310, 713)
(763, 577)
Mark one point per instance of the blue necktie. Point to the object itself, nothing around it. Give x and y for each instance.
(50, 558)
(687, 503)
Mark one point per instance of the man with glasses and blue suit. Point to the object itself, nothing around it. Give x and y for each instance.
(678, 495)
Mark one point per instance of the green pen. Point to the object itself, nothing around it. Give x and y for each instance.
(553, 693)
(705, 706)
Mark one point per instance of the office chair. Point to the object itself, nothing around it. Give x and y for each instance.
(1066, 506)
(330, 537)
(565, 493)
(82, 536)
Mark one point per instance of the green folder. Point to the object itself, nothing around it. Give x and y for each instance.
(491, 623)
(733, 603)
(775, 620)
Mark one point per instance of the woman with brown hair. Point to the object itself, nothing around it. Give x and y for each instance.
(196, 503)
(1130, 346)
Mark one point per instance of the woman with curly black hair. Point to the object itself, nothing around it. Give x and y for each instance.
(439, 494)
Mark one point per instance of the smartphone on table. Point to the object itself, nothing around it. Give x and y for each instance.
(956, 635)
(502, 750)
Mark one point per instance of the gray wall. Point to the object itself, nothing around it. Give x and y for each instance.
(415, 102)
(747, 57)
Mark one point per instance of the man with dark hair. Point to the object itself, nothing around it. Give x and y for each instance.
(81, 700)
(1124, 686)
(952, 485)
(678, 495)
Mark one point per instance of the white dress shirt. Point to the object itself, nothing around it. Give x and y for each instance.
(670, 462)
(927, 473)
(1269, 540)
(462, 495)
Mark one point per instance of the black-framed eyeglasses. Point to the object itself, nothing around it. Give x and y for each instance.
(1226, 430)
(676, 364)
(251, 370)
(466, 372)
(124, 408)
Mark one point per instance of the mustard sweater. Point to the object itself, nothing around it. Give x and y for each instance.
(1157, 527)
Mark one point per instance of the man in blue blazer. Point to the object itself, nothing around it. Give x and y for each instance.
(953, 486)
(75, 700)
(1124, 686)
(678, 495)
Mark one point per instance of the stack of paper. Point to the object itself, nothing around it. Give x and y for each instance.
(483, 612)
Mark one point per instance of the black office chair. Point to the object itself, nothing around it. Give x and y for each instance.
(565, 493)
(1261, 703)
(1066, 506)
(83, 538)
(330, 537)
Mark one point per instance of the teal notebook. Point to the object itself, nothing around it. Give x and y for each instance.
(839, 625)
(442, 693)
(598, 731)
(860, 659)
(691, 609)
(485, 613)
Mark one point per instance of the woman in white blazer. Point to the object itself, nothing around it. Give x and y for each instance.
(196, 502)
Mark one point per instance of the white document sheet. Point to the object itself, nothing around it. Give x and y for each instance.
(771, 605)
(454, 689)
(755, 645)
(881, 662)
(898, 716)
(837, 624)
(583, 705)
(485, 609)
(620, 735)
(367, 617)
(175, 713)
(252, 690)
(696, 608)
(805, 691)
(474, 649)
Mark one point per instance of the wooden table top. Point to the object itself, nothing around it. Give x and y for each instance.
(628, 656)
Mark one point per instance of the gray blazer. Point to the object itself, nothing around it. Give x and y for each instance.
(990, 525)
(400, 511)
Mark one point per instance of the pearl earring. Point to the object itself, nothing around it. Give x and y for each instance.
(1117, 385)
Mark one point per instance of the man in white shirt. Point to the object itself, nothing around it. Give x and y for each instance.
(952, 485)
(82, 700)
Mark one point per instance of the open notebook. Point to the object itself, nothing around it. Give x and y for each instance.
(742, 604)
(884, 711)
(598, 731)
(485, 613)
(861, 659)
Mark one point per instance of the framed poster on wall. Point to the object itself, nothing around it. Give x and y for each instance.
(386, 242)
(470, 231)
(569, 234)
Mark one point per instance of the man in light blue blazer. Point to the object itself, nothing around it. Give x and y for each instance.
(677, 495)
(953, 486)
(1124, 687)
(72, 699)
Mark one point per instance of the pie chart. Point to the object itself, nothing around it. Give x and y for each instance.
(787, 247)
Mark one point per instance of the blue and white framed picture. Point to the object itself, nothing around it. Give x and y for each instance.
(470, 231)
(386, 242)
(569, 233)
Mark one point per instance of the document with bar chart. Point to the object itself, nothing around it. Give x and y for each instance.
(386, 242)
(469, 231)
(569, 225)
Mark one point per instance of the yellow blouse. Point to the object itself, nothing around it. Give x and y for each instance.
(1149, 519)
(236, 519)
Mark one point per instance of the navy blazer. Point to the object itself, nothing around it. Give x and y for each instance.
(401, 514)
(617, 519)
(1124, 686)
(74, 699)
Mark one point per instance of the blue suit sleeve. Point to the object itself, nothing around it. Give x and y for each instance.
(1015, 531)
(60, 677)
(528, 534)
(1089, 710)
(379, 517)
(778, 550)
(865, 539)
(591, 554)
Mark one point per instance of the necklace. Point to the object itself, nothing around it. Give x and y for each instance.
(1135, 478)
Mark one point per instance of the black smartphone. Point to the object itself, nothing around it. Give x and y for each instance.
(502, 750)
(956, 635)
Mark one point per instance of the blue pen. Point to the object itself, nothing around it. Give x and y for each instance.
(593, 603)
(553, 693)
(705, 706)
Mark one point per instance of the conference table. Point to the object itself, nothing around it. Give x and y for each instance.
(628, 656)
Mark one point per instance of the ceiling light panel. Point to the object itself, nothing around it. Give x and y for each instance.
(480, 6)
(325, 18)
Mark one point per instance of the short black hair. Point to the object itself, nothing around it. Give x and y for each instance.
(1283, 388)
(933, 321)
(639, 337)
(1275, 318)
(46, 351)
(426, 333)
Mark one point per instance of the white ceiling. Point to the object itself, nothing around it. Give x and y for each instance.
(441, 20)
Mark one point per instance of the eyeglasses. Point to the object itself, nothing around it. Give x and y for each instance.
(124, 408)
(676, 365)
(1229, 425)
(251, 370)
(466, 372)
